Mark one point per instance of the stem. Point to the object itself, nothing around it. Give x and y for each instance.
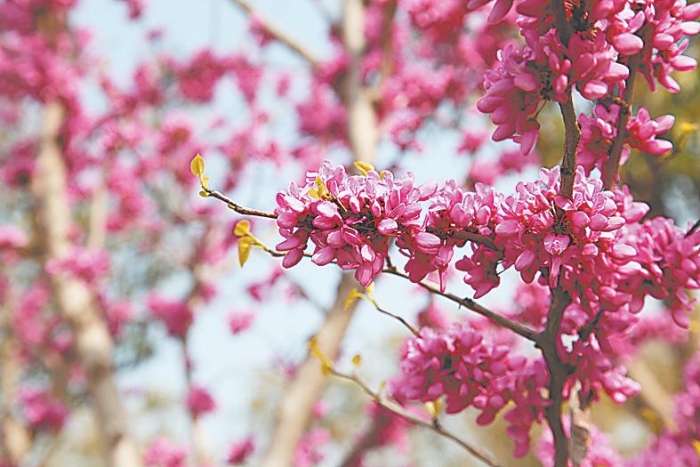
(571, 140)
(612, 167)
(558, 372)
(470, 304)
(236, 207)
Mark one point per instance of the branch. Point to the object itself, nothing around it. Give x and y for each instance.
(612, 167)
(571, 140)
(571, 127)
(236, 207)
(558, 372)
(692, 230)
(362, 118)
(432, 425)
(276, 34)
(470, 304)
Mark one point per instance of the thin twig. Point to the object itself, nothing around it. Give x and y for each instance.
(275, 33)
(406, 415)
(405, 323)
(237, 207)
(470, 304)
(692, 230)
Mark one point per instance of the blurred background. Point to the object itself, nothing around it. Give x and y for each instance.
(125, 317)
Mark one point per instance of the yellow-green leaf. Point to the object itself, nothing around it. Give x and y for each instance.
(364, 167)
(203, 194)
(326, 363)
(244, 246)
(197, 165)
(350, 299)
(242, 228)
(434, 408)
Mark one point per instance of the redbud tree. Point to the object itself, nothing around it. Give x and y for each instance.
(103, 210)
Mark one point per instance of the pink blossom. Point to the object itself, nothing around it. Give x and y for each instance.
(176, 315)
(199, 401)
(308, 452)
(240, 321)
(42, 410)
(240, 451)
(164, 453)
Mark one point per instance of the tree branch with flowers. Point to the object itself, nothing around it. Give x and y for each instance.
(578, 236)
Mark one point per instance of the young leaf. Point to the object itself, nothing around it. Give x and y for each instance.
(197, 166)
(244, 246)
(242, 228)
(352, 296)
(363, 167)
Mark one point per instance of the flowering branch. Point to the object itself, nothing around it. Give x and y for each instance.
(468, 303)
(278, 35)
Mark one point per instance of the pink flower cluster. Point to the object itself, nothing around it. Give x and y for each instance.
(591, 52)
(240, 451)
(595, 248)
(468, 371)
(164, 453)
(352, 219)
(42, 410)
(199, 401)
(599, 131)
(175, 314)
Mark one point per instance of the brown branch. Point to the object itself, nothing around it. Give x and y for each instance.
(692, 230)
(470, 304)
(564, 28)
(277, 34)
(236, 207)
(572, 136)
(558, 372)
(16, 439)
(612, 166)
(571, 127)
(432, 425)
